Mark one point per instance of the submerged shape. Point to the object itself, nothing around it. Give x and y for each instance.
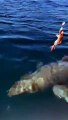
(46, 76)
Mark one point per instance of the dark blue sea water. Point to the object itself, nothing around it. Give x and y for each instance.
(27, 30)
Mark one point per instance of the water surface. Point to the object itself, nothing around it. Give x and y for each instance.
(27, 30)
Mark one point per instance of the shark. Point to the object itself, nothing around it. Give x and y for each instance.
(54, 74)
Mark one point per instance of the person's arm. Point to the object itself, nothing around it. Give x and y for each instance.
(63, 23)
(57, 35)
(61, 29)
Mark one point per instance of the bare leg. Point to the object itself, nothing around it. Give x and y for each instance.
(52, 47)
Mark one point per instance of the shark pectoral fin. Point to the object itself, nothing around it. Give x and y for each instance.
(61, 91)
(58, 91)
(66, 99)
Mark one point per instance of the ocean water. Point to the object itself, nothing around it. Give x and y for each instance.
(27, 30)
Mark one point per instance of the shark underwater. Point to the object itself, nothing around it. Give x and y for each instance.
(54, 74)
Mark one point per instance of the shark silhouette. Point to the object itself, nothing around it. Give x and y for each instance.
(53, 74)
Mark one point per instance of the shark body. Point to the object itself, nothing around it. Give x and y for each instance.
(48, 75)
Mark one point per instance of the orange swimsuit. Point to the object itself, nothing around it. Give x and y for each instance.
(59, 39)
